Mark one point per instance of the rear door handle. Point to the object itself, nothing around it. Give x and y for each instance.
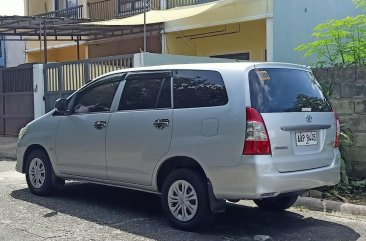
(100, 125)
(161, 123)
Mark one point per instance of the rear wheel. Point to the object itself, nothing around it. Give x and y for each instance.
(185, 200)
(40, 177)
(276, 203)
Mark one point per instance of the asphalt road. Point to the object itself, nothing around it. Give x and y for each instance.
(91, 212)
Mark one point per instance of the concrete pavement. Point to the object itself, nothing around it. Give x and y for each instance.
(8, 147)
(92, 212)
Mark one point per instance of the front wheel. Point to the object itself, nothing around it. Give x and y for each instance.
(40, 177)
(276, 203)
(185, 200)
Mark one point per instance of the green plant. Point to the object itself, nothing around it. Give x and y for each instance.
(360, 3)
(339, 42)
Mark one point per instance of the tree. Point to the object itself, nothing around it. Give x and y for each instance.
(339, 42)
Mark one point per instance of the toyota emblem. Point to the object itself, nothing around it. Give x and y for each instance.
(308, 118)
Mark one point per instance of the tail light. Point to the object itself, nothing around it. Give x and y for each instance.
(338, 130)
(256, 138)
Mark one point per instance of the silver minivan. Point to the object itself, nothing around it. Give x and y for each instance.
(198, 135)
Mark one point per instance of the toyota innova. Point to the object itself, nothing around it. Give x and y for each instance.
(198, 135)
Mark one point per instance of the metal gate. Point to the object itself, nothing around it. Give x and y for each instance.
(16, 99)
(62, 79)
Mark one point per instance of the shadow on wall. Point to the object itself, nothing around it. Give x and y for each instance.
(140, 214)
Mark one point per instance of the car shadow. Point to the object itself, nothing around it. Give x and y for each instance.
(140, 213)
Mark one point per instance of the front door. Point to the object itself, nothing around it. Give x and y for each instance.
(80, 140)
(139, 133)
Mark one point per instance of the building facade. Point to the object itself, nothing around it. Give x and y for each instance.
(254, 30)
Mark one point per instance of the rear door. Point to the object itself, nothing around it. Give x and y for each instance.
(299, 119)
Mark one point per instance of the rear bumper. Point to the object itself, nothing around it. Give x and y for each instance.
(256, 177)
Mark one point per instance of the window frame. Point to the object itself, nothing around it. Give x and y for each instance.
(233, 55)
(58, 6)
(141, 73)
(72, 99)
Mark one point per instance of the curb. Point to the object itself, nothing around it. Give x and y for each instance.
(8, 146)
(8, 157)
(330, 206)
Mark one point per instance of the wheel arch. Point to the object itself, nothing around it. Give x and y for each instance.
(176, 162)
(29, 150)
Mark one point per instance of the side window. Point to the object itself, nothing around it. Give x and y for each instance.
(98, 97)
(198, 88)
(146, 91)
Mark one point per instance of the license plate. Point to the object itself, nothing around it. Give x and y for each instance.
(306, 138)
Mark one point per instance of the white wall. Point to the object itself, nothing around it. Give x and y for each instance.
(14, 52)
(38, 89)
(149, 59)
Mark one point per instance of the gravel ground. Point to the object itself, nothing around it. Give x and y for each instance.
(91, 212)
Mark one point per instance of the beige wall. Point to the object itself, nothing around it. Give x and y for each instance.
(225, 39)
(125, 46)
(34, 7)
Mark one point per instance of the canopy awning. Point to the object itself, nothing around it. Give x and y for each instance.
(64, 29)
(161, 16)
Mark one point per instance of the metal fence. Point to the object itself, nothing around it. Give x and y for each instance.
(127, 8)
(72, 12)
(61, 79)
(103, 10)
(16, 99)
(110, 9)
(180, 3)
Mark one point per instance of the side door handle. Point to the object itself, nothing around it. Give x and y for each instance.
(161, 123)
(100, 125)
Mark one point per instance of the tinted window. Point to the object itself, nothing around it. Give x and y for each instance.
(198, 88)
(98, 97)
(146, 93)
(286, 90)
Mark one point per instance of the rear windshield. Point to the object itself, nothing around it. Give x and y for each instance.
(286, 90)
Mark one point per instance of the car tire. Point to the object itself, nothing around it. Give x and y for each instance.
(185, 200)
(40, 177)
(276, 203)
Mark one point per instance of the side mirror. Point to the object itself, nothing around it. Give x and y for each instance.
(61, 105)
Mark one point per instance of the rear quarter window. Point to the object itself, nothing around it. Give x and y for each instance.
(286, 90)
(198, 88)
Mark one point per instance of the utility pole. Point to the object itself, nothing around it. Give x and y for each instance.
(146, 4)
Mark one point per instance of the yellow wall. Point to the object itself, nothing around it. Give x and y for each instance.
(58, 55)
(225, 39)
(34, 45)
(236, 11)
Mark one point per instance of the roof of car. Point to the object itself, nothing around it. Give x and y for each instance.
(216, 66)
